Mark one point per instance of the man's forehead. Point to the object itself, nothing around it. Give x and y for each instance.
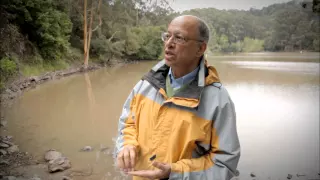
(183, 24)
(189, 18)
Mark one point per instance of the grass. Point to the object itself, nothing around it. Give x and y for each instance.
(38, 69)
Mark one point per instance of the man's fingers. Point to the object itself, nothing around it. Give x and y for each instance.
(132, 157)
(126, 157)
(144, 173)
(163, 171)
(120, 160)
(160, 165)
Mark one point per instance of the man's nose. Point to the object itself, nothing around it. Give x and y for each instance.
(170, 42)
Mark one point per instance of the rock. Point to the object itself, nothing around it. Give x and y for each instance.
(34, 79)
(59, 164)
(6, 138)
(66, 178)
(52, 155)
(3, 145)
(3, 123)
(7, 142)
(8, 91)
(46, 77)
(12, 96)
(3, 162)
(298, 175)
(3, 152)
(68, 73)
(35, 178)
(87, 148)
(14, 88)
(10, 178)
(252, 174)
(289, 176)
(104, 149)
(13, 149)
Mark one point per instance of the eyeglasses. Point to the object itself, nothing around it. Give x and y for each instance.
(176, 39)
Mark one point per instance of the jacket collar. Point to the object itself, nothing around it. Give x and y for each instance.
(157, 78)
(201, 73)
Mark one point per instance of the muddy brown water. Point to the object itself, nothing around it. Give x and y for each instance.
(276, 97)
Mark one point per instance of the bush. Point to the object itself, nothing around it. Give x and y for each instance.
(44, 24)
(149, 43)
(253, 45)
(8, 68)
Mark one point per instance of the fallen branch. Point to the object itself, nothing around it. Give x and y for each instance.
(112, 36)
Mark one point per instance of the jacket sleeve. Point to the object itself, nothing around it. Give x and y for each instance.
(127, 134)
(220, 163)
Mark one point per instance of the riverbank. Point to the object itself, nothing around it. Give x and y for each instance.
(22, 165)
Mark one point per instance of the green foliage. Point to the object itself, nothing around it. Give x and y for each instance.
(224, 43)
(74, 56)
(132, 44)
(252, 45)
(283, 27)
(38, 69)
(238, 46)
(150, 42)
(138, 43)
(8, 69)
(47, 26)
(54, 29)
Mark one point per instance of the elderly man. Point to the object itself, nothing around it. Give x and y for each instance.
(179, 121)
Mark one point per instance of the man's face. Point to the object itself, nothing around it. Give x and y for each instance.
(186, 54)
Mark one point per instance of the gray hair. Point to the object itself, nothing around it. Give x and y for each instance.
(204, 32)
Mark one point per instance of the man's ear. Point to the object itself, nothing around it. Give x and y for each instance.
(202, 49)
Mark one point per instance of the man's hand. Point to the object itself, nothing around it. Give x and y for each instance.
(126, 158)
(162, 172)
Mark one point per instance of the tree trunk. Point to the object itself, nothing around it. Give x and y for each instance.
(90, 35)
(85, 36)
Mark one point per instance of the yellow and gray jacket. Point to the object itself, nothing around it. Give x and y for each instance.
(194, 130)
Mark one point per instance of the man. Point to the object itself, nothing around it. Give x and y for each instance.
(179, 121)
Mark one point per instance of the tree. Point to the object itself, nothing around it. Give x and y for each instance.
(87, 36)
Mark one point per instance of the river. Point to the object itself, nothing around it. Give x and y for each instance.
(276, 96)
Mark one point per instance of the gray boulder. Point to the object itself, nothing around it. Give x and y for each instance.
(59, 164)
(52, 155)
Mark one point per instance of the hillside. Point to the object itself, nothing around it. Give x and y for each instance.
(292, 26)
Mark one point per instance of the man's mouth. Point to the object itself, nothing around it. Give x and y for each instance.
(169, 53)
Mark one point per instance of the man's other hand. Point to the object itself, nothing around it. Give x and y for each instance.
(162, 172)
(126, 158)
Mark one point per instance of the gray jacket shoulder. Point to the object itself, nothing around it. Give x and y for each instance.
(217, 91)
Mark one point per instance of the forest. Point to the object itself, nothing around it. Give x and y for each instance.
(46, 35)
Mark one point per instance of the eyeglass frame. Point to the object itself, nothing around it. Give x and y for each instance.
(175, 40)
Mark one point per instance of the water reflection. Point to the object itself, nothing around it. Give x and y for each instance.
(278, 129)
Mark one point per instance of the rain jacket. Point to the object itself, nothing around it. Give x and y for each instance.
(194, 130)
